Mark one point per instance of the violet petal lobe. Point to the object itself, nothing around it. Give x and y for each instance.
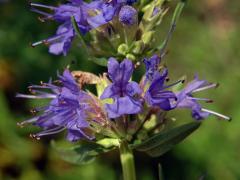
(122, 106)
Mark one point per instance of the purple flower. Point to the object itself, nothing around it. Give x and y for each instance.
(185, 99)
(61, 42)
(157, 95)
(87, 15)
(152, 66)
(128, 15)
(67, 109)
(124, 93)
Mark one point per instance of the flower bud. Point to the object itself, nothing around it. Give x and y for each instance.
(147, 37)
(138, 47)
(131, 57)
(128, 16)
(123, 49)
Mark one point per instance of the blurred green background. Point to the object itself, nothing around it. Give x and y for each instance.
(206, 42)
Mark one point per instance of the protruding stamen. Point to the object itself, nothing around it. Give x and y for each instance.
(36, 43)
(200, 99)
(36, 96)
(216, 114)
(22, 124)
(42, 13)
(215, 85)
(48, 41)
(49, 132)
(42, 6)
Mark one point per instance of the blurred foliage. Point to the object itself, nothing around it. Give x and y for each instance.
(206, 41)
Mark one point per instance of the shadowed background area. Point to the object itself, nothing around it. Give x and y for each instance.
(206, 42)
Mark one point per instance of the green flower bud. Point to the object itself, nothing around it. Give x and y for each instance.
(123, 49)
(138, 47)
(131, 57)
(148, 37)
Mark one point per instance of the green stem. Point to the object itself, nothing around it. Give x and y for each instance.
(127, 161)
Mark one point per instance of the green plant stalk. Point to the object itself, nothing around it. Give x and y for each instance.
(127, 161)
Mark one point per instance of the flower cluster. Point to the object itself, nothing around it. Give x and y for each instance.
(66, 110)
(87, 15)
(122, 105)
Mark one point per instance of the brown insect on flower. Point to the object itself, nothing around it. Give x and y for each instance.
(85, 78)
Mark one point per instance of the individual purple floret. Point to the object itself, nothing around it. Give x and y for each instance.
(66, 110)
(128, 15)
(157, 93)
(186, 99)
(152, 66)
(87, 15)
(126, 94)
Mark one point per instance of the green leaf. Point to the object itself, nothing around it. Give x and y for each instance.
(83, 153)
(99, 61)
(166, 140)
(176, 15)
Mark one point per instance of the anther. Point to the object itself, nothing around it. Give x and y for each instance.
(137, 65)
(210, 101)
(31, 45)
(41, 19)
(45, 42)
(31, 90)
(20, 124)
(167, 79)
(33, 111)
(34, 136)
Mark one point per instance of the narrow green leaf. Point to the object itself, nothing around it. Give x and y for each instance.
(78, 33)
(164, 141)
(83, 153)
(176, 15)
(99, 61)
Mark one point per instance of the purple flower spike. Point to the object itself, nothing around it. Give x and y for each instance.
(157, 95)
(66, 110)
(121, 90)
(128, 15)
(186, 99)
(87, 15)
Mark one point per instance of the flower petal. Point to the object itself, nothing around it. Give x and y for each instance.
(112, 91)
(122, 106)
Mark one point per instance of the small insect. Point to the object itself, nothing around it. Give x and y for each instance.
(85, 78)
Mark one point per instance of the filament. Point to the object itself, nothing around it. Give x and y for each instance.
(216, 114)
(42, 6)
(206, 87)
